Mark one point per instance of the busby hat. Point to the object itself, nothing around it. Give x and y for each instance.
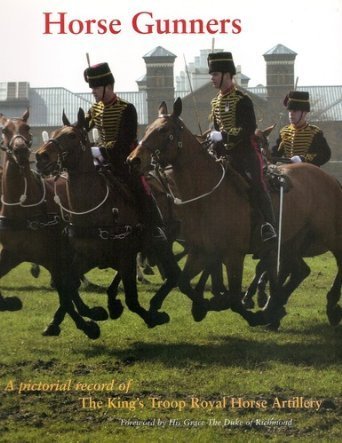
(98, 75)
(221, 62)
(297, 101)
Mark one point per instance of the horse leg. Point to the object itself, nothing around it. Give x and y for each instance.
(35, 270)
(171, 272)
(220, 301)
(128, 275)
(254, 286)
(333, 309)
(66, 296)
(115, 306)
(7, 262)
(262, 296)
(195, 263)
(274, 310)
(297, 272)
(234, 267)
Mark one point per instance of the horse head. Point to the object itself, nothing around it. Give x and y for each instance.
(262, 140)
(16, 138)
(64, 148)
(162, 140)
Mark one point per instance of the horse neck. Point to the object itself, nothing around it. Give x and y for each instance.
(13, 187)
(195, 170)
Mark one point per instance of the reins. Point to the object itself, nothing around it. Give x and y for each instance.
(178, 201)
(23, 197)
(10, 152)
(59, 203)
(63, 154)
(176, 138)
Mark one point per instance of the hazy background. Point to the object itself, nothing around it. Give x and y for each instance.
(312, 29)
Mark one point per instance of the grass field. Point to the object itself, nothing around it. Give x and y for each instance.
(201, 382)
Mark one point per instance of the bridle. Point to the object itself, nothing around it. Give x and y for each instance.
(61, 157)
(62, 154)
(9, 149)
(176, 138)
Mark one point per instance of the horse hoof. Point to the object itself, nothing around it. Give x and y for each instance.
(199, 310)
(274, 327)
(10, 304)
(262, 299)
(115, 309)
(248, 303)
(257, 319)
(158, 319)
(51, 331)
(334, 315)
(219, 303)
(98, 313)
(92, 330)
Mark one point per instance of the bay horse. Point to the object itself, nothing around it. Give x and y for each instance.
(216, 216)
(31, 228)
(105, 229)
(294, 269)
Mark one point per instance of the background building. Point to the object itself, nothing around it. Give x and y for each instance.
(194, 87)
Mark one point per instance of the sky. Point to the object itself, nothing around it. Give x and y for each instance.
(312, 29)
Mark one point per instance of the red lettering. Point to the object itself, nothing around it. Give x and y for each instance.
(115, 24)
(48, 22)
(236, 26)
(76, 29)
(136, 27)
(212, 23)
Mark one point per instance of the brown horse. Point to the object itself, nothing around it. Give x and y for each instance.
(293, 269)
(106, 230)
(31, 228)
(216, 217)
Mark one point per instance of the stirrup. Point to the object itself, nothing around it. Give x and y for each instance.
(267, 232)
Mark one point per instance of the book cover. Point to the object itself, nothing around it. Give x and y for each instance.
(184, 380)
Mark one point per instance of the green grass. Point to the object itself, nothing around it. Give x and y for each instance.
(220, 357)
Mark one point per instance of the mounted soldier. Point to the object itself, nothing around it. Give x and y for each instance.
(116, 121)
(301, 141)
(234, 124)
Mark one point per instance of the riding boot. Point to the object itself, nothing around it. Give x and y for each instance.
(264, 203)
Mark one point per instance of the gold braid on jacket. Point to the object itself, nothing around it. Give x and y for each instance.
(297, 141)
(107, 120)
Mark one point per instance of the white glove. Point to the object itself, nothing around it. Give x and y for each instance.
(296, 159)
(215, 136)
(96, 153)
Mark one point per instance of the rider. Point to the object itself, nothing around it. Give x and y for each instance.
(117, 123)
(301, 141)
(234, 123)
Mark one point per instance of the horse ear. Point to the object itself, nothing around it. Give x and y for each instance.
(266, 132)
(26, 115)
(45, 136)
(65, 119)
(81, 121)
(177, 107)
(162, 109)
